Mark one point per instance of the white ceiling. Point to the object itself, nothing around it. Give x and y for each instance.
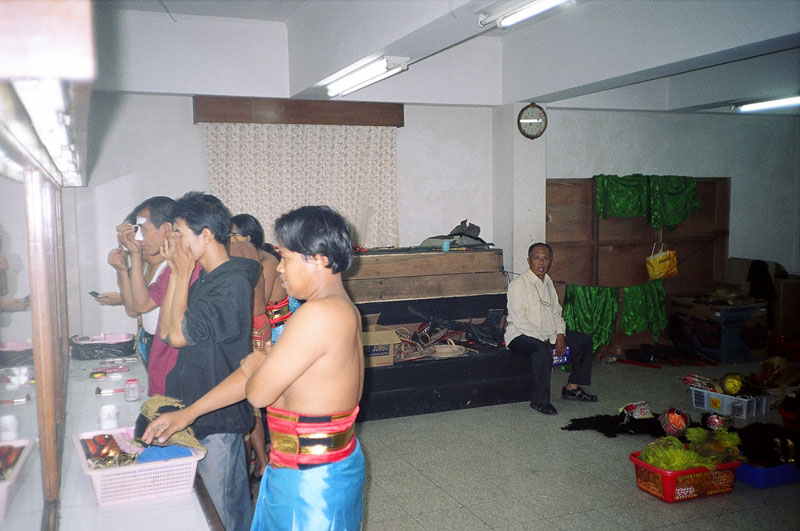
(673, 55)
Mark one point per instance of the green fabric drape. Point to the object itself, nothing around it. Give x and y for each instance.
(643, 307)
(592, 310)
(622, 197)
(663, 200)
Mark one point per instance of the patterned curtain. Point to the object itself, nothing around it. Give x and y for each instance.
(268, 169)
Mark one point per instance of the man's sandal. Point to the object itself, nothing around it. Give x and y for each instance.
(577, 394)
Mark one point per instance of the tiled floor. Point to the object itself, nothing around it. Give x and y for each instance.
(510, 468)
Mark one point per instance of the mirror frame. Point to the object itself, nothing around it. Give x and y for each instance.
(46, 269)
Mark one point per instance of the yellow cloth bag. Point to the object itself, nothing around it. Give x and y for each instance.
(663, 264)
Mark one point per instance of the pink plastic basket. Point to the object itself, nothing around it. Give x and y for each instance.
(139, 481)
(7, 486)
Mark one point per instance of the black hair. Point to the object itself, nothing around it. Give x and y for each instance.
(249, 226)
(311, 230)
(541, 244)
(162, 210)
(204, 211)
(268, 247)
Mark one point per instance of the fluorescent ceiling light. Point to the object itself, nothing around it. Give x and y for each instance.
(508, 14)
(352, 80)
(45, 102)
(772, 104)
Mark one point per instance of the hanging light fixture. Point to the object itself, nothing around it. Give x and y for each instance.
(507, 14)
(356, 77)
(770, 104)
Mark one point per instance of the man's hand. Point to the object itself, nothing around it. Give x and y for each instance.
(110, 298)
(180, 254)
(561, 345)
(14, 305)
(116, 259)
(164, 426)
(126, 235)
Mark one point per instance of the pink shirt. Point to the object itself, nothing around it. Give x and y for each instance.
(162, 356)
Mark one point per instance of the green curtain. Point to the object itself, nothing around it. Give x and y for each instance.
(663, 200)
(643, 308)
(592, 310)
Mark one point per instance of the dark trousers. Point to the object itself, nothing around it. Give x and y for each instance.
(541, 353)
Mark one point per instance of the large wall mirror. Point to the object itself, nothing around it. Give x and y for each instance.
(21, 476)
(33, 327)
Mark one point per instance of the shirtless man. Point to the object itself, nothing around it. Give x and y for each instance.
(311, 379)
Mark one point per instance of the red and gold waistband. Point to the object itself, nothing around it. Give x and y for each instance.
(298, 440)
(278, 312)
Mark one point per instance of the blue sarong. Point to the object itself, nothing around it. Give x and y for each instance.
(313, 498)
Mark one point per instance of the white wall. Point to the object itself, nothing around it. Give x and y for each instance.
(759, 153)
(150, 147)
(444, 171)
(455, 163)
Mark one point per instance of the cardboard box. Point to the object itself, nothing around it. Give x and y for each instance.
(379, 347)
(725, 333)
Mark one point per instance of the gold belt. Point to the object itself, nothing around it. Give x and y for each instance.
(312, 443)
(278, 312)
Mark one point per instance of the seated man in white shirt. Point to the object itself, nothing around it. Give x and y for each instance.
(535, 327)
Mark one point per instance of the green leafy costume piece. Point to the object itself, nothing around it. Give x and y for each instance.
(592, 310)
(662, 200)
(643, 308)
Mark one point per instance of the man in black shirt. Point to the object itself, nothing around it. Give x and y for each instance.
(210, 323)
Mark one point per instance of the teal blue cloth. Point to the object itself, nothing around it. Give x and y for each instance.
(316, 497)
(163, 453)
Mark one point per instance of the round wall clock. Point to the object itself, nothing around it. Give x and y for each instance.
(532, 121)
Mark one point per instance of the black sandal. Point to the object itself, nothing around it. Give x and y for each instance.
(545, 409)
(577, 394)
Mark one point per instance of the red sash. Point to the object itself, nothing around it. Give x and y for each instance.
(297, 440)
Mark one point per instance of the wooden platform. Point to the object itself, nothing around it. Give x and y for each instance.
(459, 284)
(409, 275)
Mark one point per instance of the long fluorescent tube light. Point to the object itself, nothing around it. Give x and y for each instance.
(508, 15)
(368, 74)
(772, 104)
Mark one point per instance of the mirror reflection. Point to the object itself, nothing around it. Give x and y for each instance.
(20, 470)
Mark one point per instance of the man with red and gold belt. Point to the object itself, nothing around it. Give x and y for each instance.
(311, 380)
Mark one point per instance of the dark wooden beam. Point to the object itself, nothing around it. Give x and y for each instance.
(228, 109)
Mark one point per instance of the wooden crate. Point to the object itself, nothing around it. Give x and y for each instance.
(425, 275)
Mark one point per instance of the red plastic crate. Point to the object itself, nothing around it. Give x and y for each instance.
(680, 485)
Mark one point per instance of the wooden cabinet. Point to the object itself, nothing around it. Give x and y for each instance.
(611, 252)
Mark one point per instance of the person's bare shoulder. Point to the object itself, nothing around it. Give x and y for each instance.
(243, 249)
(332, 311)
(267, 260)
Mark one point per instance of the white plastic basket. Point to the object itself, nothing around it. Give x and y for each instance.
(722, 404)
(139, 481)
(7, 485)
